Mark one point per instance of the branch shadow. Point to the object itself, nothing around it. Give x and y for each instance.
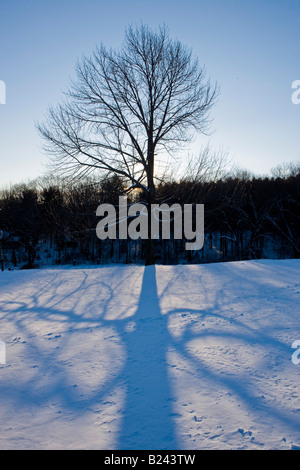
(235, 329)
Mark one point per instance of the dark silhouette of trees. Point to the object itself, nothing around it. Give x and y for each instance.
(21, 218)
(246, 217)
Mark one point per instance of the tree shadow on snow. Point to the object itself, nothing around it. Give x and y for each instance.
(147, 422)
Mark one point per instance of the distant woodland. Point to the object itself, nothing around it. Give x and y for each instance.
(47, 222)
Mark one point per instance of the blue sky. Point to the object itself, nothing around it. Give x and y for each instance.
(250, 47)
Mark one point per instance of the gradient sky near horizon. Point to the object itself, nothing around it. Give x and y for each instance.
(250, 47)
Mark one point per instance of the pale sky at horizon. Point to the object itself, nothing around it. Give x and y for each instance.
(250, 47)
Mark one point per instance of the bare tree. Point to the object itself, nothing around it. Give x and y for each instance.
(127, 106)
(286, 170)
(208, 166)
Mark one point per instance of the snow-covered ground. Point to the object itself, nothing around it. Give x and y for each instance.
(165, 357)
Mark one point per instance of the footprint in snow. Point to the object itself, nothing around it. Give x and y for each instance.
(244, 433)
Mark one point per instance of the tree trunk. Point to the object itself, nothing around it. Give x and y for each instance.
(150, 255)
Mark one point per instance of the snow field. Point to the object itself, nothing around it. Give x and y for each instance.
(164, 357)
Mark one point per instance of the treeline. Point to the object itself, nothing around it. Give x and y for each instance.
(246, 217)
